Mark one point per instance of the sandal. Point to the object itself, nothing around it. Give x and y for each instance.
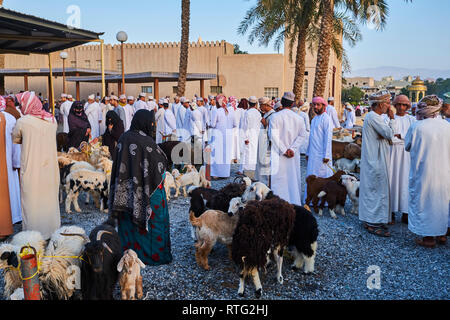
(380, 231)
(441, 240)
(425, 244)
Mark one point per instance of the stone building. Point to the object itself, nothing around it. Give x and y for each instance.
(240, 75)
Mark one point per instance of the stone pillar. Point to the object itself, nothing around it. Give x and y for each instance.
(156, 83)
(25, 82)
(202, 88)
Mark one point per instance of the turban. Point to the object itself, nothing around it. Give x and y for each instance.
(2, 103)
(319, 100)
(429, 107)
(264, 100)
(30, 104)
(233, 101)
(221, 100)
(402, 99)
(380, 96)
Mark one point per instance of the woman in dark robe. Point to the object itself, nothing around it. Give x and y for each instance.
(137, 196)
(79, 127)
(114, 129)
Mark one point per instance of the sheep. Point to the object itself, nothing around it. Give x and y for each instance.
(335, 195)
(347, 165)
(303, 239)
(86, 180)
(67, 169)
(99, 263)
(352, 186)
(169, 184)
(203, 181)
(263, 228)
(183, 180)
(130, 279)
(221, 201)
(60, 258)
(315, 185)
(212, 226)
(9, 257)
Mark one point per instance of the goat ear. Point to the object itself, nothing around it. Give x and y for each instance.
(140, 263)
(5, 255)
(12, 260)
(120, 265)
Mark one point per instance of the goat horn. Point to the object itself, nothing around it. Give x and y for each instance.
(86, 238)
(100, 233)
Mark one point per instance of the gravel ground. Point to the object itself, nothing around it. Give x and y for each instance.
(345, 251)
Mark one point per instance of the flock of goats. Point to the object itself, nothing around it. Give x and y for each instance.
(255, 225)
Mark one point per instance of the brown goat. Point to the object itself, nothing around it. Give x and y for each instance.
(352, 151)
(130, 278)
(335, 194)
(315, 186)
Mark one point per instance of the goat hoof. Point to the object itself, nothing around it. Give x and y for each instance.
(258, 293)
(294, 268)
(280, 279)
(241, 294)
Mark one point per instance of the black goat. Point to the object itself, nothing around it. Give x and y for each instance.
(99, 266)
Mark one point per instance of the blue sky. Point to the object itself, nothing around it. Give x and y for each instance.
(417, 34)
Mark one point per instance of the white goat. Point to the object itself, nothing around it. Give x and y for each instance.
(256, 191)
(190, 178)
(352, 186)
(347, 165)
(169, 183)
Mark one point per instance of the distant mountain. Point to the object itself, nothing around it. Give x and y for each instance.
(398, 73)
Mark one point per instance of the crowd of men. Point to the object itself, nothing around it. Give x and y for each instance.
(400, 171)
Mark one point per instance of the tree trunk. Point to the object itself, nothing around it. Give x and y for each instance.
(300, 66)
(184, 48)
(323, 54)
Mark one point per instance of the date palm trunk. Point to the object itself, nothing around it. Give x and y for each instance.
(323, 54)
(300, 66)
(184, 48)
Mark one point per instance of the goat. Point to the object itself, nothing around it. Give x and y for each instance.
(86, 180)
(303, 239)
(9, 260)
(335, 195)
(60, 258)
(183, 180)
(62, 141)
(169, 184)
(130, 279)
(345, 164)
(315, 185)
(263, 228)
(67, 169)
(203, 181)
(352, 186)
(352, 151)
(99, 265)
(212, 226)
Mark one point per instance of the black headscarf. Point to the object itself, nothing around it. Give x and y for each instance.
(110, 138)
(78, 125)
(137, 171)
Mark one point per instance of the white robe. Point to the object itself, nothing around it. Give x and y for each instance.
(13, 161)
(262, 171)
(94, 114)
(170, 124)
(174, 108)
(428, 142)
(65, 110)
(399, 166)
(319, 147)
(181, 115)
(331, 111)
(222, 142)
(139, 105)
(159, 118)
(304, 147)
(374, 199)
(105, 108)
(350, 119)
(187, 126)
(129, 113)
(236, 149)
(250, 132)
(286, 131)
(196, 119)
(205, 120)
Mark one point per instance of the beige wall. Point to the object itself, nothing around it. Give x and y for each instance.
(360, 82)
(239, 75)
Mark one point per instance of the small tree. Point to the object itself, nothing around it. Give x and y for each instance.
(237, 49)
(353, 95)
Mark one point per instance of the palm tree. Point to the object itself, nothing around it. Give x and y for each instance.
(361, 11)
(184, 47)
(282, 19)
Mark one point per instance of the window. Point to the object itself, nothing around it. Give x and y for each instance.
(73, 64)
(119, 65)
(305, 89)
(99, 64)
(271, 92)
(216, 89)
(175, 89)
(87, 64)
(147, 89)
